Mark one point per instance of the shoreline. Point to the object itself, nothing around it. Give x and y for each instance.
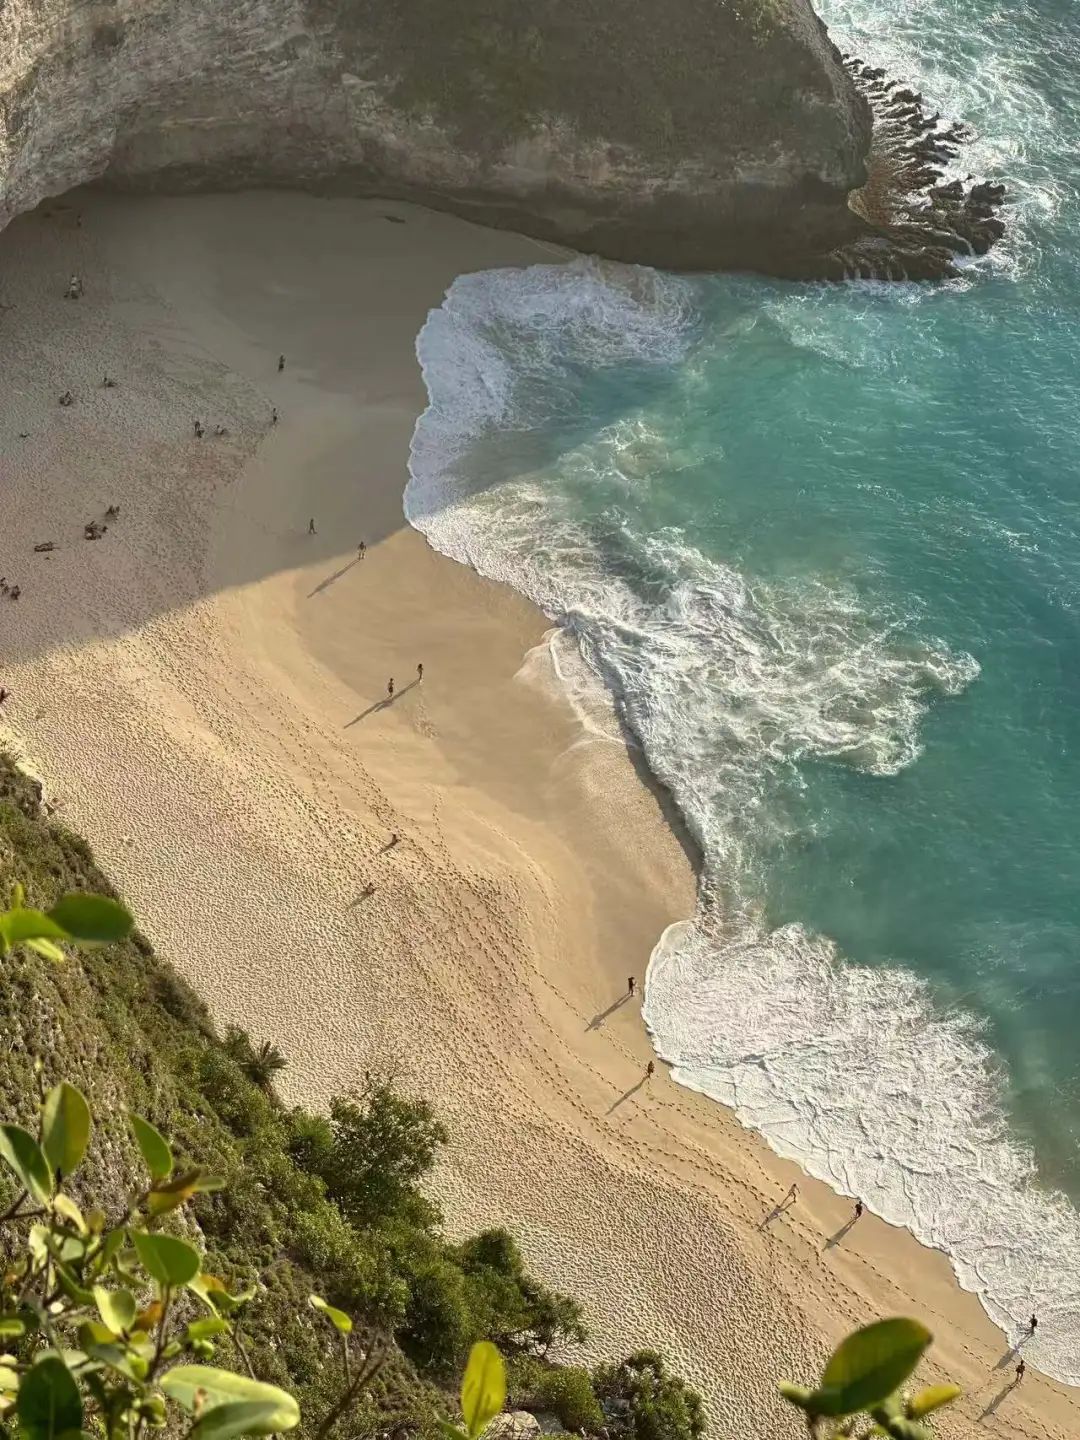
(206, 694)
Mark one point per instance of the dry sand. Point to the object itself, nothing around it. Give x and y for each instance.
(202, 690)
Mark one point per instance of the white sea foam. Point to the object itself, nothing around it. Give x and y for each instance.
(729, 680)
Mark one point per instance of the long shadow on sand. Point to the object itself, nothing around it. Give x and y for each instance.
(1002, 1394)
(627, 1095)
(841, 1233)
(384, 704)
(601, 1015)
(325, 584)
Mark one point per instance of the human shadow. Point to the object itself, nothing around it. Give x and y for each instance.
(325, 584)
(599, 1018)
(627, 1095)
(1011, 1354)
(1009, 1358)
(371, 709)
(365, 895)
(781, 1208)
(383, 704)
(998, 1398)
(836, 1239)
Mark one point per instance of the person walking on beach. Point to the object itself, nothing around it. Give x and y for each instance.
(361, 550)
(280, 363)
(420, 671)
(650, 1070)
(390, 688)
(200, 430)
(273, 415)
(790, 1198)
(631, 986)
(395, 839)
(311, 526)
(1034, 1324)
(3, 694)
(1019, 1372)
(858, 1209)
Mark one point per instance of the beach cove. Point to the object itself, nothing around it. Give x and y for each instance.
(202, 691)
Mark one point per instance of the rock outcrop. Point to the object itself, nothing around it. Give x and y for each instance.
(693, 133)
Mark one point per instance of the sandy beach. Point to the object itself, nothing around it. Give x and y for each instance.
(204, 692)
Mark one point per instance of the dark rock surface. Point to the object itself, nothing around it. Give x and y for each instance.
(701, 133)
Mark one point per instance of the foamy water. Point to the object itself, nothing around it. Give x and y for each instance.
(824, 568)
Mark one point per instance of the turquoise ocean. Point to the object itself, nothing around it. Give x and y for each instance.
(823, 545)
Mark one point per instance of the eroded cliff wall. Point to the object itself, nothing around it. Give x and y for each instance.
(701, 133)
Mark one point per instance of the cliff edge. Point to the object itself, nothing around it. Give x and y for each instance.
(699, 134)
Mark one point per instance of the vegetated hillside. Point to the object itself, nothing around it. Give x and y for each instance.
(324, 1204)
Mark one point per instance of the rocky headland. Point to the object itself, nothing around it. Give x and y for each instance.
(701, 136)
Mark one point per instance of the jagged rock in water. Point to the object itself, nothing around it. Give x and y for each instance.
(697, 133)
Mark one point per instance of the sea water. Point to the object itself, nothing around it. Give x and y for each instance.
(823, 545)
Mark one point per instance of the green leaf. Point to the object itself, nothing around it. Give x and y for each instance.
(169, 1260)
(65, 1128)
(153, 1148)
(9, 1379)
(21, 1152)
(69, 1211)
(869, 1365)
(483, 1388)
(92, 919)
(123, 1360)
(170, 1194)
(207, 1329)
(241, 1417)
(202, 1388)
(117, 1308)
(452, 1432)
(11, 1326)
(47, 949)
(932, 1398)
(92, 1332)
(48, 1404)
(337, 1318)
(22, 925)
(901, 1429)
(796, 1394)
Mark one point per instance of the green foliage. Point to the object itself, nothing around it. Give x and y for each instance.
(200, 1390)
(78, 919)
(65, 1128)
(260, 1063)
(642, 1400)
(483, 1392)
(568, 1392)
(118, 1369)
(864, 1377)
(372, 1152)
(48, 1403)
(516, 1312)
(483, 1388)
(155, 1152)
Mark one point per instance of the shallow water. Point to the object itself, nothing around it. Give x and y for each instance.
(824, 544)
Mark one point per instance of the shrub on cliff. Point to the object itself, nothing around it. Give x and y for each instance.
(642, 1400)
(568, 1392)
(371, 1153)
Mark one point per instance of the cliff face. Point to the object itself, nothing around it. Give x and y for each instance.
(701, 133)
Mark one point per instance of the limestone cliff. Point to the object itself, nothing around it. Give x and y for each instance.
(701, 133)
